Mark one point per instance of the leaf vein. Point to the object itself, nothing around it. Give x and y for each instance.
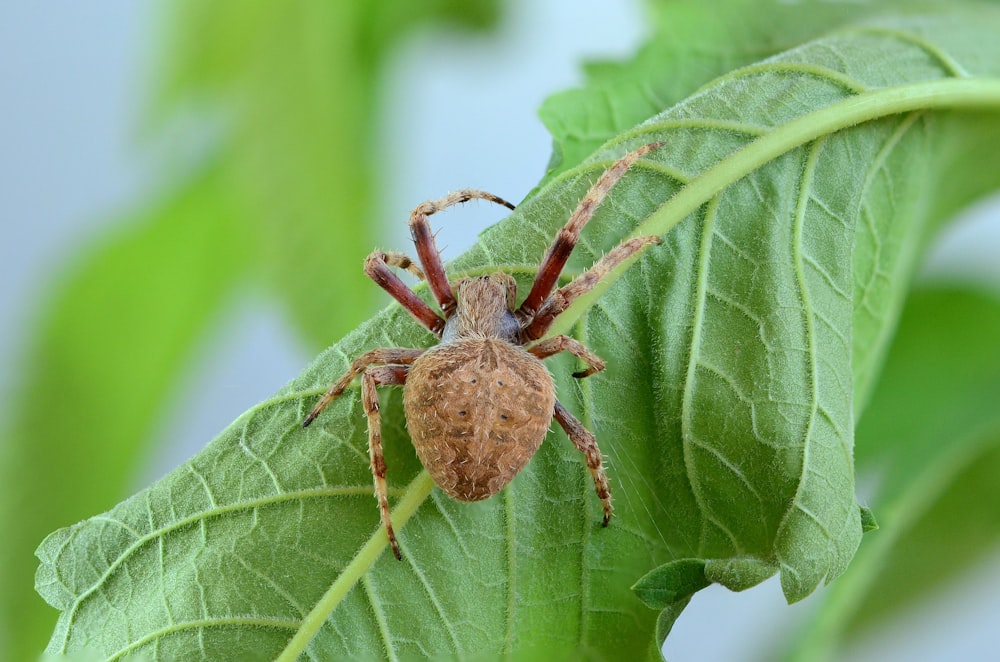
(448, 626)
(247, 621)
(805, 185)
(248, 505)
(945, 61)
(379, 613)
(687, 406)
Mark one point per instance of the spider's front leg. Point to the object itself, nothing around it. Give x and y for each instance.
(555, 258)
(423, 239)
(586, 443)
(377, 266)
(560, 300)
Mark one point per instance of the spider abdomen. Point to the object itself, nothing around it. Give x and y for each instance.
(477, 409)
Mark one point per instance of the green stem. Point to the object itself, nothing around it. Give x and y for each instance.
(897, 515)
(950, 93)
(963, 93)
(416, 492)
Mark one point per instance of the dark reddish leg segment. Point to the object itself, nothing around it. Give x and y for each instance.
(555, 258)
(373, 378)
(377, 267)
(585, 282)
(382, 356)
(557, 344)
(427, 251)
(585, 442)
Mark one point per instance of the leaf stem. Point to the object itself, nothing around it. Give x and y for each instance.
(416, 492)
(939, 94)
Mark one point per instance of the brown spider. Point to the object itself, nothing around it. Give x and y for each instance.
(479, 403)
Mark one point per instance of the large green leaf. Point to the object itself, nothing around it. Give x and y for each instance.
(932, 437)
(793, 197)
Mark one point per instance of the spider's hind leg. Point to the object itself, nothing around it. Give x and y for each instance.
(586, 443)
(390, 375)
(383, 356)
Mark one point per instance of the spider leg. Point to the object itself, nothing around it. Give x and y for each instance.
(391, 375)
(585, 442)
(377, 266)
(555, 258)
(427, 251)
(560, 300)
(557, 344)
(397, 356)
(403, 261)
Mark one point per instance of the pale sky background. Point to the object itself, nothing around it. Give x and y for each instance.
(71, 91)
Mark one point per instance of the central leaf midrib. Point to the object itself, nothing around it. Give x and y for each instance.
(967, 93)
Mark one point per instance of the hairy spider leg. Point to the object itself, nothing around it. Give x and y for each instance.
(397, 356)
(430, 257)
(557, 344)
(390, 375)
(377, 266)
(585, 442)
(403, 261)
(555, 257)
(560, 300)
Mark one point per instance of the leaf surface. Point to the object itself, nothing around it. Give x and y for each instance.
(695, 43)
(793, 197)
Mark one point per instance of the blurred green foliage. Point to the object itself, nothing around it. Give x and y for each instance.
(283, 201)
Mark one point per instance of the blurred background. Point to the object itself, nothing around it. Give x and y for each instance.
(170, 148)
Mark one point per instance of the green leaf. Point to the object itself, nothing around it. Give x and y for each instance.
(932, 436)
(679, 580)
(672, 585)
(868, 522)
(139, 299)
(673, 582)
(793, 197)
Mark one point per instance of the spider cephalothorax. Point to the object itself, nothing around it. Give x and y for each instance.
(478, 404)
